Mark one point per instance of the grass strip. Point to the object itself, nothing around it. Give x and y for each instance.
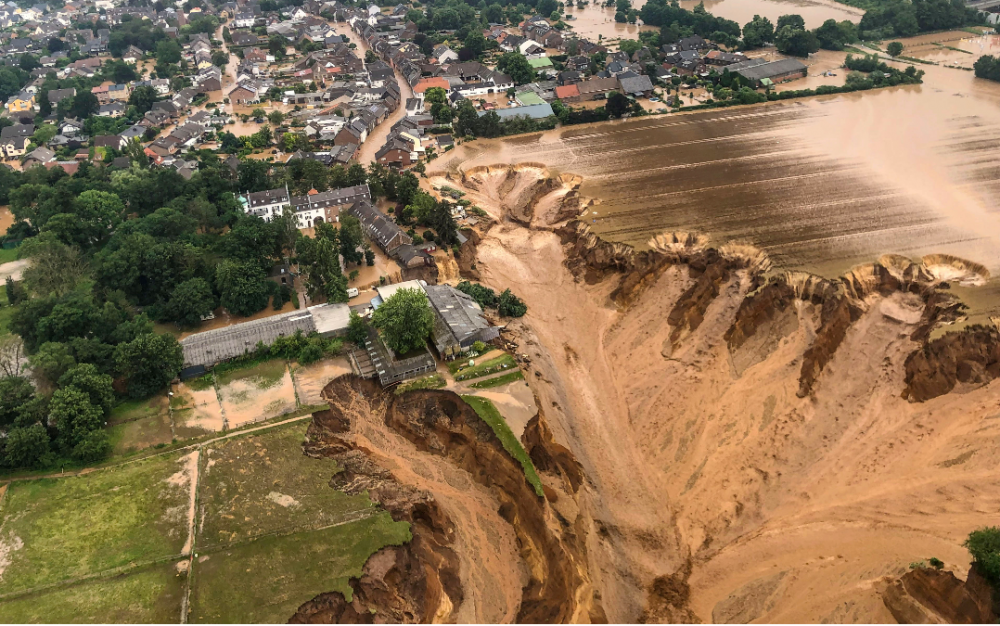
(498, 380)
(434, 381)
(485, 409)
(462, 371)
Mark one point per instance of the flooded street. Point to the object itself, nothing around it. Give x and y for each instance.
(821, 184)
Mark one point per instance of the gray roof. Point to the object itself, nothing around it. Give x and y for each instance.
(222, 344)
(331, 318)
(635, 84)
(378, 226)
(534, 111)
(754, 71)
(459, 321)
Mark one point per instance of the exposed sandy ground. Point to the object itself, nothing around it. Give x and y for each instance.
(784, 508)
(196, 409)
(310, 379)
(244, 400)
(6, 219)
(14, 269)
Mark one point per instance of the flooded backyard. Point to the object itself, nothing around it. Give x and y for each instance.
(821, 184)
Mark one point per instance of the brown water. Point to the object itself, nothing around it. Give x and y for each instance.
(821, 184)
(595, 22)
(814, 12)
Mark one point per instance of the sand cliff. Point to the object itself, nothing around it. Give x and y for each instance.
(719, 440)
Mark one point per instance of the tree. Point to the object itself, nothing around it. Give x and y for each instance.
(15, 391)
(369, 257)
(984, 546)
(101, 212)
(517, 67)
(795, 21)
(44, 106)
(545, 7)
(510, 305)
(26, 447)
(796, 42)
(757, 32)
(84, 104)
(243, 287)
(220, 59)
(436, 95)
(52, 360)
(148, 363)
(834, 36)
(474, 44)
(73, 416)
(357, 329)
(276, 117)
(894, 48)
(168, 51)
(143, 98)
(617, 105)
(351, 239)
(405, 320)
(86, 378)
(189, 301)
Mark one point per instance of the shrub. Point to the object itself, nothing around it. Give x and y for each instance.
(984, 546)
(935, 562)
(310, 354)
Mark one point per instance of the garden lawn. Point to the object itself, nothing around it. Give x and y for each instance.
(266, 580)
(61, 529)
(263, 483)
(461, 371)
(149, 596)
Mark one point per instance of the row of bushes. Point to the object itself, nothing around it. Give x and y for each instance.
(507, 304)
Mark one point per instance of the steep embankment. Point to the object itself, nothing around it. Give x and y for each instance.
(753, 445)
(485, 548)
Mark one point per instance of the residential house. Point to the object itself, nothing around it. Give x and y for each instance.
(38, 156)
(132, 55)
(379, 227)
(14, 140)
(597, 88)
(113, 109)
(443, 54)
(244, 94)
(57, 95)
(636, 85)
(23, 102)
(459, 321)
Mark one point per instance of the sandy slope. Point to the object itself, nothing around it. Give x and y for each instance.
(713, 491)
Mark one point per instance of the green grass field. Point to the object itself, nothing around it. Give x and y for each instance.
(434, 381)
(485, 409)
(263, 483)
(72, 527)
(497, 381)
(149, 596)
(6, 256)
(130, 410)
(266, 580)
(461, 371)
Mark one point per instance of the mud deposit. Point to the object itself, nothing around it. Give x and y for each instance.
(820, 184)
(754, 442)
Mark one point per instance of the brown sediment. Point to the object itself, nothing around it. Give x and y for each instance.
(740, 433)
(429, 579)
(971, 356)
(928, 596)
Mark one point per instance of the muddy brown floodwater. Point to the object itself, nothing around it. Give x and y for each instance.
(821, 184)
(814, 12)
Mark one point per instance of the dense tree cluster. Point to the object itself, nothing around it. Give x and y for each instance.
(905, 18)
(507, 304)
(405, 320)
(697, 21)
(987, 66)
